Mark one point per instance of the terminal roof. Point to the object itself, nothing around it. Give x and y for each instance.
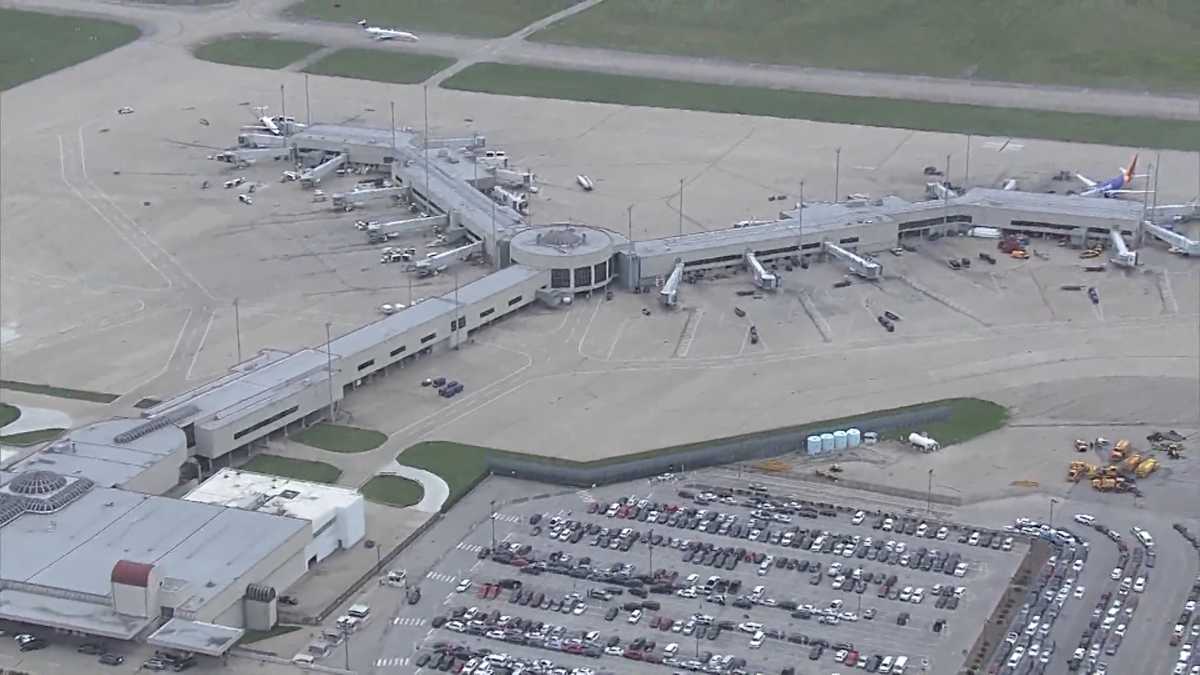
(251, 491)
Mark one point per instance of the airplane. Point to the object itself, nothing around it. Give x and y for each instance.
(387, 33)
(1113, 186)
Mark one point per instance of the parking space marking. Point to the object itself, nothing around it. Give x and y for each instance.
(444, 578)
(473, 548)
(397, 661)
(507, 518)
(409, 621)
(586, 497)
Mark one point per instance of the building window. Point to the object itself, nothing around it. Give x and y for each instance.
(365, 364)
(462, 322)
(487, 312)
(560, 278)
(515, 300)
(398, 350)
(583, 276)
(601, 272)
(269, 421)
(848, 240)
(428, 338)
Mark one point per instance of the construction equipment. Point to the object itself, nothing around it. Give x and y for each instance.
(1119, 451)
(1167, 436)
(1081, 445)
(1174, 450)
(1090, 253)
(773, 465)
(1078, 470)
(1147, 467)
(1019, 254)
(1131, 462)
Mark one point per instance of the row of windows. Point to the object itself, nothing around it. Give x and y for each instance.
(584, 276)
(929, 222)
(848, 240)
(516, 300)
(270, 420)
(365, 364)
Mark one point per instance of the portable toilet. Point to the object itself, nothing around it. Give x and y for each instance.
(826, 442)
(853, 438)
(839, 440)
(814, 445)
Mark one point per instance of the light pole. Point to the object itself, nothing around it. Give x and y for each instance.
(1053, 501)
(929, 494)
(946, 197)
(329, 366)
(967, 169)
(346, 638)
(237, 328)
(282, 103)
(837, 173)
(493, 517)
(426, 89)
(650, 542)
(307, 105)
(630, 213)
(681, 206)
(393, 126)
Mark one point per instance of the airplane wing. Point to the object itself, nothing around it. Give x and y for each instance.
(1085, 180)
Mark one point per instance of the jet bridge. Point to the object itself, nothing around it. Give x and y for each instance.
(380, 232)
(1124, 257)
(670, 290)
(311, 177)
(763, 278)
(441, 260)
(1177, 242)
(863, 267)
(349, 201)
(247, 156)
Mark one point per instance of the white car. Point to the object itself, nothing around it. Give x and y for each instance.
(635, 616)
(1116, 574)
(942, 532)
(858, 518)
(1079, 591)
(757, 639)
(1119, 631)
(1077, 566)
(463, 586)
(1084, 518)
(124, 110)
(1139, 585)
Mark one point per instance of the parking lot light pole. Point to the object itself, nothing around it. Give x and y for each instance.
(650, 543)
(493, 517)
(929, 494)
(1053, 501)
(346, 639)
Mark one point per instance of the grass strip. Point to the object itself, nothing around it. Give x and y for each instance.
(288, 467)
(579, 85)
(340, 438)
(393, 491)
(380, 65)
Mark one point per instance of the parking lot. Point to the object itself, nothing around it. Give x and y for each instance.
(678, 575)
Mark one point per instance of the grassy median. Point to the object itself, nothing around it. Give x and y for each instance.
(255, 51)
(288, 467)
(1137, 46)
(340, 438)
(33, 44)
(380, 65)
(577, 85)
(393, 491)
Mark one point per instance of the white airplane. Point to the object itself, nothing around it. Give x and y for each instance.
(387, 33)
(1116, 185)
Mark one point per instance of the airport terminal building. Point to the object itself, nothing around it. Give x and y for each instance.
(89, 546)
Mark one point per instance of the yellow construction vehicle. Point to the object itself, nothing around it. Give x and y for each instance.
(1131, 462)
(1147, 467)
(1090, 253)
(1119, 451)
(1079, 469)
(1019, 254)
(1104, 484)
